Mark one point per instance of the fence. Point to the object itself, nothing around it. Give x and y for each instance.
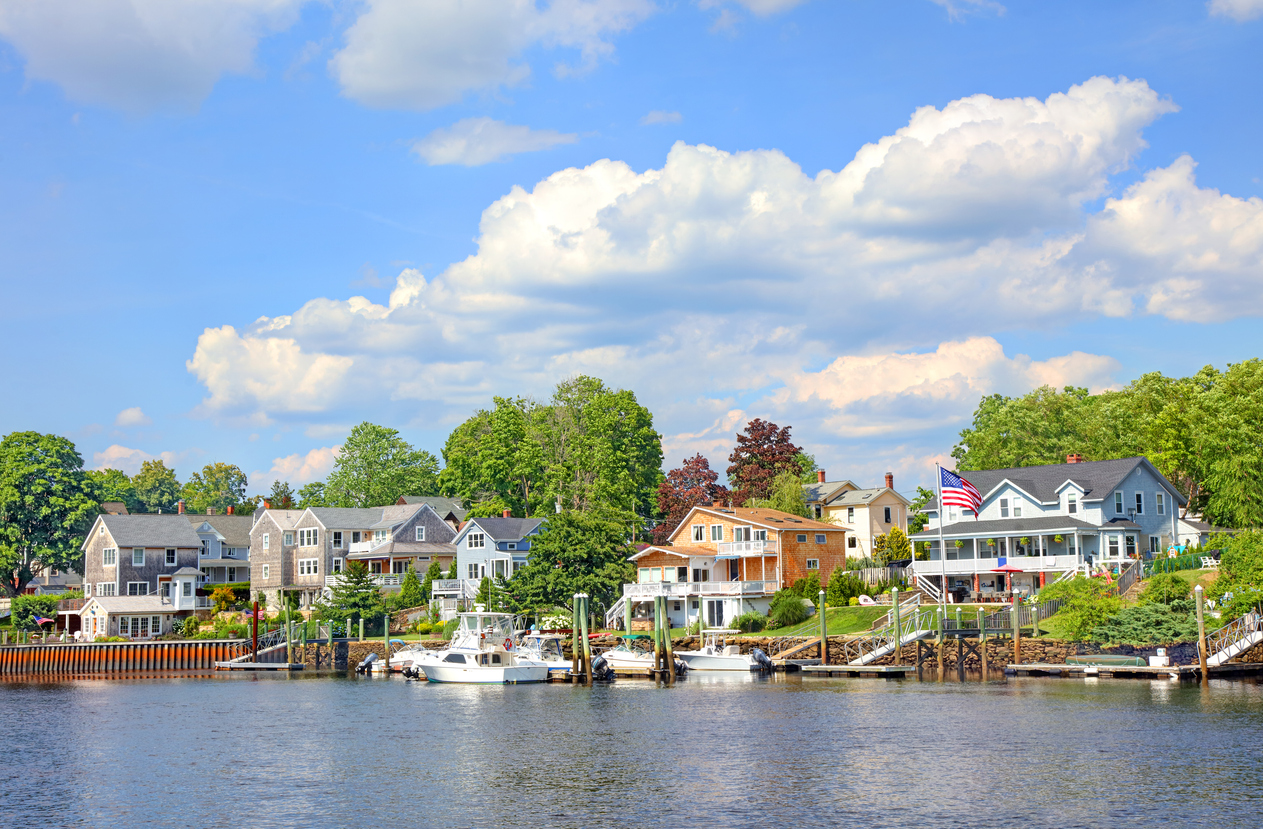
(876, 575)
(1174, 565)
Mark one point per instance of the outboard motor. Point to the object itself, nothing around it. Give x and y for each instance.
(367, 665)
(765, 663)
(681, 667)
(601, 670)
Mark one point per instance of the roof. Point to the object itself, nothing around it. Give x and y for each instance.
(505, 529)
(407, 548)
(187, 571)
(773, 519)
(443, 506)
(286, 519)
(1096, 478)
(859, 497)
(349, 518)
(820, 490)
(131, 604)
(114, 507)
(1202, 526)
(1013, 527)
(395, 514)
(234, 528)
(150, 530)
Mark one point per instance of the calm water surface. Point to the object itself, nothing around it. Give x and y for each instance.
(332, 751)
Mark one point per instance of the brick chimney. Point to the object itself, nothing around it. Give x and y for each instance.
(1074, 457)
(210, 510)
(267, 504)
(231, 510)
(890, 480)
(179, 507)
(507, 514)
(820, 476)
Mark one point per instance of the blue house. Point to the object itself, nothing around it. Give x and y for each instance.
(494, 546)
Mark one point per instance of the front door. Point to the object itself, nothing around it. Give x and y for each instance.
(715, 612)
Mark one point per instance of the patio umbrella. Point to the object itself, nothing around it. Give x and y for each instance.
(1008, 568)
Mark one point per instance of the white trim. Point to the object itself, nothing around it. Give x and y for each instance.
(142, 556)
(420, 532)
(308, 566)
(106, 559)
(267, 571)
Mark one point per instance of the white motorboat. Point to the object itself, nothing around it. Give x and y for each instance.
(627, 657)
(717, 655)
(482, 652)
(546, 648)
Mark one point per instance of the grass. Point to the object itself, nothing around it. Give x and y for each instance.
(842, 620)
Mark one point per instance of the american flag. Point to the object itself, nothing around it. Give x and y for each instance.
(957, 492)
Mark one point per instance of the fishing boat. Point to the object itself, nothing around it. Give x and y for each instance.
(481, 652)
(717, 655)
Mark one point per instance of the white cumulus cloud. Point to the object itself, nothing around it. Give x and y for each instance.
(139, 55)
(408, 55)
(1239, 10)
(132, 417)
(129, 460)
(303, 468)
(475, 141)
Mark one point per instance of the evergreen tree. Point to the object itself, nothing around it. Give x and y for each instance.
(354, 595)
(411, 593)
(435, 571)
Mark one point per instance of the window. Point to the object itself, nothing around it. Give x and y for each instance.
(102, 530)
(820, 538)
(265, 541)
(475, 541)
(164, 589)
(308, 566)
(87, 589)
(677, 605)
(205, 547)
(1118, 503)
(1017, 507)
(1131, 546)
(682, 574)
(473, 571)
(105, 588)
(1155, 544)
(379, 536)
(518, 565)
(802, 538)
(337, 540)
(232, 574)
(188, 588)
(267, 573)
(1004, 507)
(138, 588)
(337, 565)
(355, 538)
(699, 532)
(701, 575)
(642, 575)
(108, 556)
(818, 511)
(288, 540)
(850, 542)
(813, 564)
(850, 515)
(1113, 546)
(716, 532)
(458, 658)
(420, 533)
(170, 557)
(138, 556)
(951, 514)
(741, 534)
(399, 567)
(887, 515)
(307, 538)
(760, 535)
(1140, 503)
(512, 545)
(1162, 503)
(1072, 504)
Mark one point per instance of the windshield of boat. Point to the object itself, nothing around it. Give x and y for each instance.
(476, 628)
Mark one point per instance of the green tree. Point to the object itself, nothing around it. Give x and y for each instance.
(576, 552)
(26, 608)
(785, 494)
(1089, 602)
(844, 586)
(46, 504)
(411, 594)
(452, 572)
(377, 467)
(898, 547)
(1229, 439)
(114, 485)
(1163, 588)
(354, 594)
(156, 487)
(311, 495)
(435, 571)
(881, 550)
(218, 486)
(281, 496)
(917, 519)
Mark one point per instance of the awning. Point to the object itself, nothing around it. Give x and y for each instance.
(727, 556)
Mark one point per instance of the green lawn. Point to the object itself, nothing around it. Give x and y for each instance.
(842, 620)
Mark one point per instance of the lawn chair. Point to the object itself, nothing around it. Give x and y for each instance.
(1209, 563)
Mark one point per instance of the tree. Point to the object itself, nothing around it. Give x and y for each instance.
(377, 467)
(25, 609)
(881, 553)
(156, 487)
(114, 485)
(786, 494)
(46, 504)
(1089, 602)
(223, 598)
(763, 451)
(917, 519)
(311, 495)
(898, 547)
(452, 572)
(282, 495)
(218, 486)
(434, 572)
(692, 483)
(576, 552)
(354, 594)
(1229, 441)
(411, 593)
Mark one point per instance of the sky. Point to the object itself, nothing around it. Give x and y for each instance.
(233, 229)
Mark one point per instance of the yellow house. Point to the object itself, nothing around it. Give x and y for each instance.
(867, 513)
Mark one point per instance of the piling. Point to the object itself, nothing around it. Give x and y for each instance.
(574, 637)
(255, 648)
(587, 642)
(657, 633)
(1034, 620)
(361, 628)
(386, 638)
(982, 642)
(1017, 633)
(1199, 595)
(668, 648)
(627, 615)
(894, 612)
(824, 631)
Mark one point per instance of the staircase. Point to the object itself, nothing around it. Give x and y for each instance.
(918, 624)
(614, 617)
(1234, 639)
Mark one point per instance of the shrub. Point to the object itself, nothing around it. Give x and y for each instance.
(844, 587)
(854, 601)
(1150, 624)
(751, 621)
(450, 628)
(223, 598)
(424, 627)
(788, 609)
(1088, 604)
(189, 626)
(1164, 588)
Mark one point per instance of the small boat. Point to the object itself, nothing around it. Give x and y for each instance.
(481, 652)
(546, 648)
(626, 656)
(716, 655)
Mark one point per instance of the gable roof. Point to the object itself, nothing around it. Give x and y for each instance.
(347, 518)
(823, 491)
(1097, 479)
(440, 504)
(148, 530)
(861, 497)
(503, 529)
(283, 518)
(235, 529)
(772, 519)
(396, 514)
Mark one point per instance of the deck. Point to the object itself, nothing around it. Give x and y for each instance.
(1180, 672)
(874, 671)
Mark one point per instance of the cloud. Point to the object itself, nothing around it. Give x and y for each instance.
(475, 141)
(301, 469)
(761, 8)
(132, 417)
(406, 55)
(1239, 10)
(140, 55)
(129, 460)
(957, 9)
(659, 116)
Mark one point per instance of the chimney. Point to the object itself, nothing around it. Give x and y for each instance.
(507, 514)
(231, 510)
(267, 504)
(210, 510)
(1074, 457)
(179, 507)
(820, 476)
(890, 480)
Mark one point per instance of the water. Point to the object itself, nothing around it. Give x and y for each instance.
(330, 751)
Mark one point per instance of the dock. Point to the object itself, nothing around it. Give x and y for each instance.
(258, 666)
(1175, 672)
(868, 671)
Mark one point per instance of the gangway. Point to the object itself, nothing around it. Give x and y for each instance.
(1234, 639)
(918, 624)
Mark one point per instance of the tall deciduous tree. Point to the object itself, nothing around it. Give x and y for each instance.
(576, 553)
(114, 485)
(786, 494)
(692, 483)
(156, 487)
(281, 496)
(763, 451)
(311, 495)
(377, 467)
(218, 485)
(46, 503)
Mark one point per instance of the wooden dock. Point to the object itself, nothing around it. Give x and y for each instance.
(258, 666)
(791, 665)
(855, 671)
(1175, 672)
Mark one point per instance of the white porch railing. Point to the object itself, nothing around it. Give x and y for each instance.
(746, 547)
(960, 566)
(365, 546)
(681, 589)
(381, 579)
(456, 588)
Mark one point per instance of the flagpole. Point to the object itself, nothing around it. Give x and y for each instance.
(942, 546)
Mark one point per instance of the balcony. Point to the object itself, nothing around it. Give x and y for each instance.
(1029, 564)
(366, 546)
(682, 589)
(746, 548)
(380, 579)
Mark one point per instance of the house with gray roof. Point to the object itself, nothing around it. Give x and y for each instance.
(225, 554)
(1040, 523)
(867, 512)
(451, 510)
(489, 547)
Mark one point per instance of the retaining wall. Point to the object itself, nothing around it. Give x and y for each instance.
(113, 658)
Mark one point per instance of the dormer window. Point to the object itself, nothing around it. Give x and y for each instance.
(1004, 507)
(1072, 504)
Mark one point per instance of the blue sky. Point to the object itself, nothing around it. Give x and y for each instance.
(232, 230)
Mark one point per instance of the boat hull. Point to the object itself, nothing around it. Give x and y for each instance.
(477, 675)
(716, 662)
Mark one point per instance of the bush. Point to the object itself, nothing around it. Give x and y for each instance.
(26, 607)
(844, 587)
(1164, 588)
(423, 627)
(788, 609)
(751, 621)
(1089, 603)
(189, 626)
(449, 628)
(223, 598)
(1150, 624)
(854, 601)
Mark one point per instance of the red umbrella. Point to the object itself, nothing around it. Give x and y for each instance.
(1008, 568)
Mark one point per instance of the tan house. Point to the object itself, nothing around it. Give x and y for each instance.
(866, 513)
(724, 561)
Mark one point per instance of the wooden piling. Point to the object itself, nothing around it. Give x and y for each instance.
(824, 631)
(587, 642)
(894, 612)
(657, 633)
(574, 637)
(1199, 595)
(982, 642)
(1017, 633)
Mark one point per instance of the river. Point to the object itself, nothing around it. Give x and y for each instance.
(332, 751)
